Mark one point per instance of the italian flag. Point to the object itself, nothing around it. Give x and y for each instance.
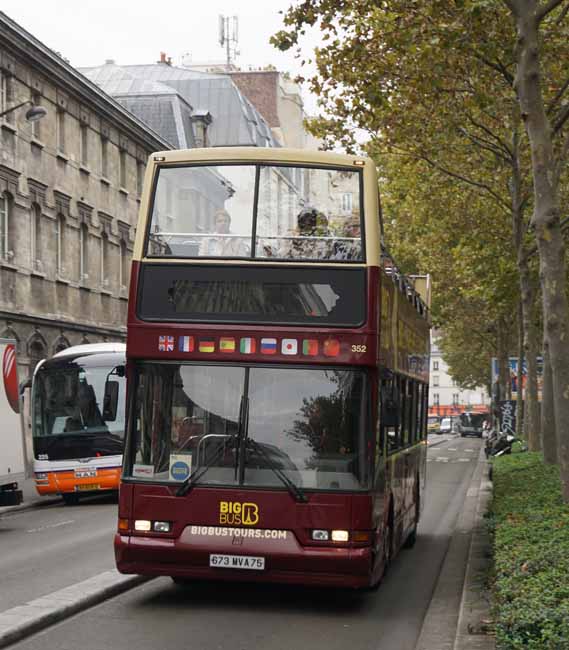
(247, 346)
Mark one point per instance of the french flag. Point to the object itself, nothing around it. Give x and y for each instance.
(186, 343)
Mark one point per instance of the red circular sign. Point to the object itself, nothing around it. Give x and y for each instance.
(10, 377)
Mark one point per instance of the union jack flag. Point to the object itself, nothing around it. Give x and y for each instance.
(166, 343)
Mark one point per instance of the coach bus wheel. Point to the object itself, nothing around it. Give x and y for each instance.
(70, 498)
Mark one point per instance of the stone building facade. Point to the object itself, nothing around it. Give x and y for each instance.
(69, 197)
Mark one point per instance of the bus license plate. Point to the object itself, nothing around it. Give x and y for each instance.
(237, 562)
(88, 486)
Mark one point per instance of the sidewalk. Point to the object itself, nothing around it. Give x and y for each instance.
(462, 578)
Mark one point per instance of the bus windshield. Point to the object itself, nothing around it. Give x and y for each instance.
(310, 423)
(257, 211)
(70, 419)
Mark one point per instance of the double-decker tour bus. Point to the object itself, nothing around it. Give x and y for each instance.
(78, 420)
(277, 369)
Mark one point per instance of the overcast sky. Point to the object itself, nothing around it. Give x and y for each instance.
(87, 32)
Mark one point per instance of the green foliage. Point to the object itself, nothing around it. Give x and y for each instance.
(531, 542)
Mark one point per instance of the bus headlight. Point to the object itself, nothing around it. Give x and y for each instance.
(142, 525)
(340, 536)
(161, 526)
(41, 476)
(320, 535)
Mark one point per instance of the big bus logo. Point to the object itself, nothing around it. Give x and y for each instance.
(235, 513)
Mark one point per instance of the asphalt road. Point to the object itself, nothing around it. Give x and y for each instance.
(45, 549)
(218, 616)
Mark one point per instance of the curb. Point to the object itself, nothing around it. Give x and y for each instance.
(24, 620)
(475, 619)
(446, 627)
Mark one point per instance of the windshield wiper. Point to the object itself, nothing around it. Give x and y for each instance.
(292, 487)
(194, 478)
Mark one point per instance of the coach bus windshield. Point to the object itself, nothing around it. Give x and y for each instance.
(257, 211)
(70, 418)
(311, 424)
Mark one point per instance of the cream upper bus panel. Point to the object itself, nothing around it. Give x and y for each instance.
(304, 212)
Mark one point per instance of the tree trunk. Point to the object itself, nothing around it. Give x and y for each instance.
(545, 218)
(520, 377)
(527, 298)
(548, 437)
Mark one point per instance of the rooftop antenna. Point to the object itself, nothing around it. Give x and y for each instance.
(229, 37)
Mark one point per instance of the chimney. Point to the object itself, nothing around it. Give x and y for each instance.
(162, 57)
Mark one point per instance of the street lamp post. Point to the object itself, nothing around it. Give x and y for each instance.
(33, 114)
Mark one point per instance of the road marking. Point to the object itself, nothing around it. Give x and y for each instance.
(452, 449)
(61, 523)
(464, 460)
(469, 450)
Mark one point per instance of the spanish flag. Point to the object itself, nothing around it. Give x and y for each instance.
(226, 344)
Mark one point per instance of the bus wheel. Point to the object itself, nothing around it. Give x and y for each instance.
(412, 537)
(70, 498)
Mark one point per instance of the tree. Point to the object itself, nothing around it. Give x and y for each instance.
(536, 22)
(435, 82)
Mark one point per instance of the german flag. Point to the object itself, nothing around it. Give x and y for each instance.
(207, 345)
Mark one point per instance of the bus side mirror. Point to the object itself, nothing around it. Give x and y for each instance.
(110, 400)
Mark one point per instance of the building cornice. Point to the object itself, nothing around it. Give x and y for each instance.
(26, 47)
(63, 324)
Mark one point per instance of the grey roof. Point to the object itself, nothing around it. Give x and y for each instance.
(235, 120)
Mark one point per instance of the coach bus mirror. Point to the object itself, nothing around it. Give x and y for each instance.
(110, 400)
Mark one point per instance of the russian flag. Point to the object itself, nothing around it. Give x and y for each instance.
(268, 346)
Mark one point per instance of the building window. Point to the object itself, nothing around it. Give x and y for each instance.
(35, 238)
(61, 131)
(36, 126)
(6, 95)
(5, 215)
(122, 168)
(455, 399)
(83, 253)
(60, 244)
(139, 177)
(435, 365)
(347, 202)
(104, 260)
(104, 158)
(435, 380)
(436, 399)
(84, 143)
(123, 268)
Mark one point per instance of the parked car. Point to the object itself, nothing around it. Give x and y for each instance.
(433, 424)
(446, 426)
(471, 424)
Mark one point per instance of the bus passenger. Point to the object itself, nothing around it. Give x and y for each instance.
(348, 247)
(223, 246)
(311, 224)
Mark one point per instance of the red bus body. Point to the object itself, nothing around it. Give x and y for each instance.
(267, 522)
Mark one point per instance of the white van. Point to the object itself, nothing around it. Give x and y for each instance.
(446, 425)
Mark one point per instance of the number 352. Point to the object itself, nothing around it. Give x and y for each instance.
(359, 348)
